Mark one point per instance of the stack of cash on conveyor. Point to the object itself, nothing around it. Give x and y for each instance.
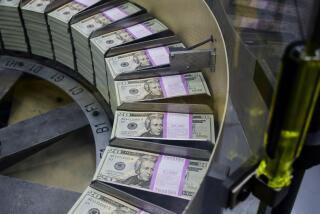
(163, 131)
(130, 181)
(182, 88)
(58, 21)
(139, 28)
(37, 29)
(11, 26)
(90, 20)
(139, 62)
(191, 134)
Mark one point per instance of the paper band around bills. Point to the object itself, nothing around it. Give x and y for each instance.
(173, 86)
(139, 31)
(158, 56)
(115, 14)
(169, 175)
(178, 126)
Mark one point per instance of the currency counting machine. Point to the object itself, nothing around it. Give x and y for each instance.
(240, 81)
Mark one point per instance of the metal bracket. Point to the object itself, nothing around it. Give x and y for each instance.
(192, 60)
(243, 182)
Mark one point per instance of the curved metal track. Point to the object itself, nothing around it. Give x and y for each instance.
(24, 138)
(91, 108)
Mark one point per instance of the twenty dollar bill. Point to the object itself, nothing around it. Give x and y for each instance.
(151, 172)
(161, 87)
(88, 25)
(163, 125)
(139, 60)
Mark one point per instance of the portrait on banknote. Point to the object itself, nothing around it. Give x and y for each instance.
(153, 125)
(153, 87)
(143, 168)
(137, 62)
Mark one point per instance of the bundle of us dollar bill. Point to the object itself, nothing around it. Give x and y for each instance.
(135, 62)
(167, 175)
(93, 201)
(82, 29)
(58, 21)
(139, 60)
(164, 126)
(101, 44)
(37, 29)
(159, 88)
(11, 26)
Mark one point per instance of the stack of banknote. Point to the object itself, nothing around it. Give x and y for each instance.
(93, 201)
(166, 175)
(159, 88)
(11, 26)
(37, 29)
(82, 30)
(58, 21)
(136, 61)
(164, 126)
(102, 43)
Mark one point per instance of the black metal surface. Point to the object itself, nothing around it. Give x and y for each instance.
(286, 205)
(163, 148)
(28, 198)
(22, 139)
(211, 196)
(8, 79)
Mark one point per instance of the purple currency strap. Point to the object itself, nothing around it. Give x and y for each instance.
(155, 172)
(138, 31)
(190, 126)
(115, 14)
(150, 58)
(185, 84)
(183, 176)
(164, 125)
(163, 89)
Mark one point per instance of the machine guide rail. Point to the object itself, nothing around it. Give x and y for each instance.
(92, 109)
